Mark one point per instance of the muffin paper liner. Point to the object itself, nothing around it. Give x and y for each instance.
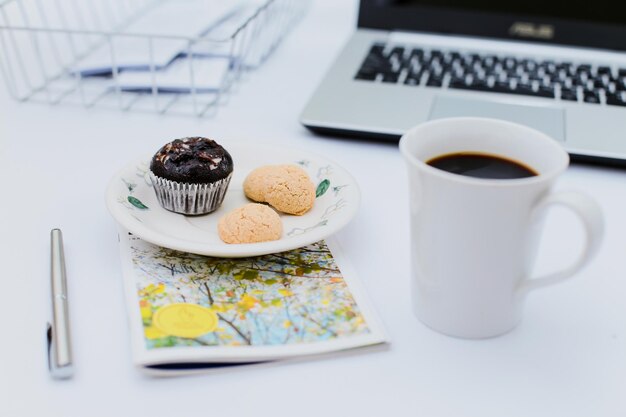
(191, 199)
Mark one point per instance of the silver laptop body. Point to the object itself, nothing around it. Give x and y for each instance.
(388, 80)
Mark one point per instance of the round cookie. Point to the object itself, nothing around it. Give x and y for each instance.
(255, 184)
(291, 191)
(251, 223)
(287, 188)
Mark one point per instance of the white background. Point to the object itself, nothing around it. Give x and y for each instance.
(567, 358)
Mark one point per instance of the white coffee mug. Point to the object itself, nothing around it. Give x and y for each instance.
(474, 240)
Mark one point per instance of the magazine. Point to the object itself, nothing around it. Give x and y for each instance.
(191, 313)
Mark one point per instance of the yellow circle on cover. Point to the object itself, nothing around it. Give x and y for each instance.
(185, 320)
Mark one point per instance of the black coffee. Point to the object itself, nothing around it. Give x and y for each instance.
(480, 165)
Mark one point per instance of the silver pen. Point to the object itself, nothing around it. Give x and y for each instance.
(60, 359)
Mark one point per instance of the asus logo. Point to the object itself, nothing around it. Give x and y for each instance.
(531, 30)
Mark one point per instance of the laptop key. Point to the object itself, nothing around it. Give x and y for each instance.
(450, 57)
(480, 85)
(435, 53)
(501, 87)
(615, 100)
(370, 68)
(398, 51)
(457, 83)
(598, 83)
(523, 90)
(434, 81)
(569, 94)
(476, 85)
(366, 76)
(436, 71)
(413, 79)
(390, 77)
(375, 63)
(417, 53)
(377, 49)
(458, 72)
(545, 91)
(535, 78)
(591, 97)
(510, 62)
(529, 64)
(581, 79)
(458, 77)
(548, 66)
(475, 58)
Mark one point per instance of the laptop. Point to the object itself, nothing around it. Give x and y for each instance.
(559, 67)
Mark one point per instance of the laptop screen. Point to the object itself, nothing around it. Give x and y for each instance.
(600, 23)
(582, 10)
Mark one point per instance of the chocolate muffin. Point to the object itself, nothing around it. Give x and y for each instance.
(191, 175)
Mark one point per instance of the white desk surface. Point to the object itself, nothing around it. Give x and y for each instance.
(567, 358)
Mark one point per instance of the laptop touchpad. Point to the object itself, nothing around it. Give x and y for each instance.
(549, 120)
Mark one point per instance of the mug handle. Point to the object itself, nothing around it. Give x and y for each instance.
(590, 213)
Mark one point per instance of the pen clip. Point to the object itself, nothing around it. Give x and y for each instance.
(57, 371)
(49, 345)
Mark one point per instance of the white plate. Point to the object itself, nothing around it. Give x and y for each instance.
(132, 202)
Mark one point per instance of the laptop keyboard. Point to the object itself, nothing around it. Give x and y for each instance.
(497, 74)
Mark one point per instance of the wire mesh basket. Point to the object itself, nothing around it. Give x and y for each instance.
(165, 56)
